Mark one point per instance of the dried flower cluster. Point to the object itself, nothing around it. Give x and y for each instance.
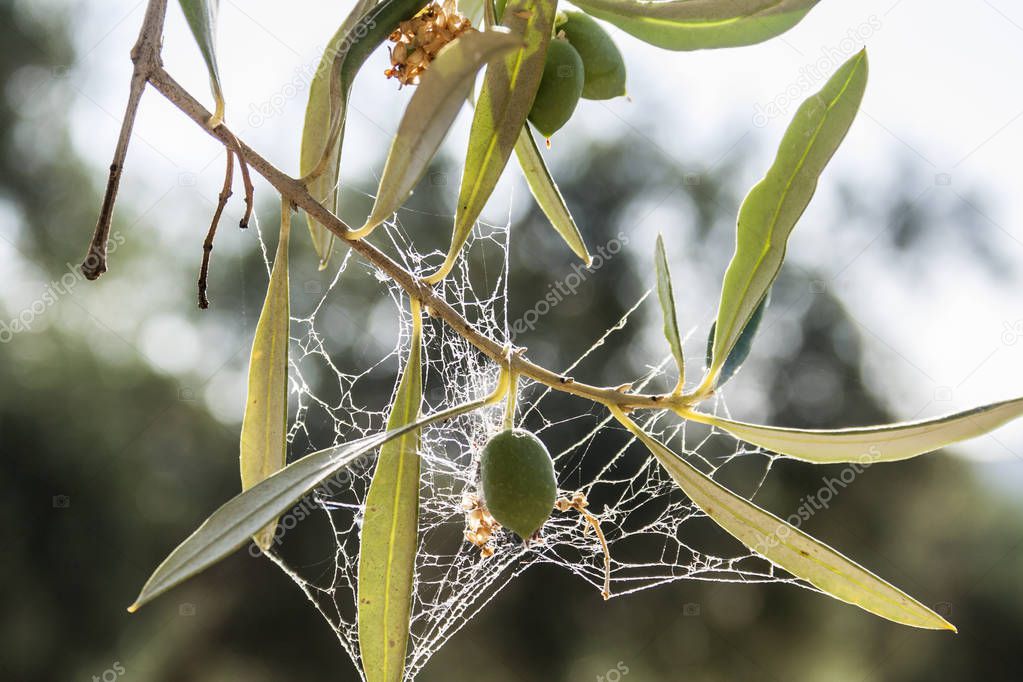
(480, 525)
(418, 40)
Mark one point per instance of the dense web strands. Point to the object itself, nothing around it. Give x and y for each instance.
(646, 520)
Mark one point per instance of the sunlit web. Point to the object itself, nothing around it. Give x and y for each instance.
(648, 523)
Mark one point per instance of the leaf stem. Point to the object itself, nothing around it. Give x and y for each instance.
(207, 245)
(146, 57)
(509, 409)
(295, 191)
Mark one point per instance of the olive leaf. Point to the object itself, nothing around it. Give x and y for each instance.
(539, 179)
(788, 547)
(263, 449)
(741, 350)
(430, 114)
(201, 16)
(666, 295)
(501, 110)
(700, 24)
(316, 131)
(888, 443)
(241, 517)
(772, 208)
(363, 30)
(548, 196)
(387, 554)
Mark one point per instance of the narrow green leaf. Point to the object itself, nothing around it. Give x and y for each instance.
(788, 547)
(700, 24)
(265, 424)
(241, 517)
(202, 19)
(504, 102)
(548, 196)
(666, 295)
(387, 554)
(316, 131)
(439, 97)
(539, 179)
(775, 204)
(363, 30)
(867, 445)
(741, 349)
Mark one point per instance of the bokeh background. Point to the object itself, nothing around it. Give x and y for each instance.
(120, 406)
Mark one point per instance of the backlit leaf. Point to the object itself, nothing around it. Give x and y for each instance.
(871, 444)
(265, 424)
(666, 295)
(788, 547)
(501, 110)
(548, 196)
(363, 30)
(387, 554)
(202, 19)
(776, 203)
(700, 24)
(438, 98)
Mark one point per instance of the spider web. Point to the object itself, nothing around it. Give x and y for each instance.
(648, 523)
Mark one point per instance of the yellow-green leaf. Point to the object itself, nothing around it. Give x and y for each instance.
(666, 295)
(390, 531)
(439, 97)
(700, 24)
(202, 19)
(265, 424)
(503, 106)
(548, 196)
(538, 178)
(888, 443)
(363, 30)
(788, 547)
(772, 208)
(316, 132)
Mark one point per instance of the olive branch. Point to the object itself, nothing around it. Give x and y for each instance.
(514, 55)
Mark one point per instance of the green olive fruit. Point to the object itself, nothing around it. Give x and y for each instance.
(561, 86)
(602, 61)
(517, 477)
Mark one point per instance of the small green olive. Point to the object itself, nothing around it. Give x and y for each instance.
(602, 61)
(517, 478)
(561, 86)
